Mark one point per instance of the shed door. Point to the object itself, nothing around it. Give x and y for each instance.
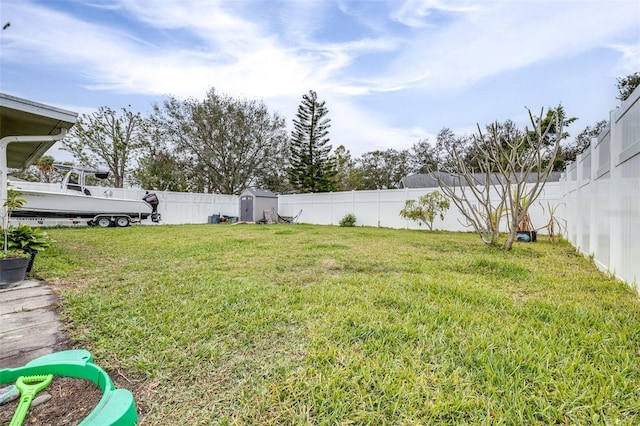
(246, 208)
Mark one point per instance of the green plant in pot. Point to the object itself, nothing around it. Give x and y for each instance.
(13, 261)
(28, 240)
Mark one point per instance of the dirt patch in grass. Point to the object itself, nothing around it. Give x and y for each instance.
(330, 266)
(524, 295)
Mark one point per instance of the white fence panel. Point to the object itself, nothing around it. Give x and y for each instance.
(382, 208)
(603, 195)
(183, 208)
(371, 208)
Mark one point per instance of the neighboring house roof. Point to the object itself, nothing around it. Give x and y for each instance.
(430, 181)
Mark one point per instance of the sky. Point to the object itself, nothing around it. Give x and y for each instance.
(392, 72)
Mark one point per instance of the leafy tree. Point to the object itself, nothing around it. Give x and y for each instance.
(347, 174)
(273, 175)
(426, 208)
(160, 170)
(424, 157)
(582, 141)
(384, 169)
(627, 85)
(41, 171)
(221, 144)
(554, 120)
(46, 170)
(104, 137)
(454, 151)
(312, 168)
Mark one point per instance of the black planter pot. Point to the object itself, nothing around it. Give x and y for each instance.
(31, 260)
(12, 271)
(527, 236)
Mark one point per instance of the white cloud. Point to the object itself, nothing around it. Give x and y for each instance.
(361, 131)
(444, 45)
(503, 36)
(630, 61)
(416, 13)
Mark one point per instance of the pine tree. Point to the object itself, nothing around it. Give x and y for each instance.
(313, 167)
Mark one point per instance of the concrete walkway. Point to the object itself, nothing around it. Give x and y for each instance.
(29, 325)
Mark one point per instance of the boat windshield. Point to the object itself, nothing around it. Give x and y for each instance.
(75, 177)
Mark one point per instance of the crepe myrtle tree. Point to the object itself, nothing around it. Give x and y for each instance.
(512, 165)
(426, 209)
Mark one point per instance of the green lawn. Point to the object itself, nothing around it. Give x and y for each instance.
(299, 324)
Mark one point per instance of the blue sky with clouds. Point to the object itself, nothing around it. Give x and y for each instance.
(392, 72)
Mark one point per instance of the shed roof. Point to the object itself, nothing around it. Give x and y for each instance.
(21, 117)
(262, 193)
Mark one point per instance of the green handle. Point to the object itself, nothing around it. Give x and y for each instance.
(21, 411)
(28, 386)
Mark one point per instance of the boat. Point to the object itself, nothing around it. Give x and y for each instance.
(76, 201)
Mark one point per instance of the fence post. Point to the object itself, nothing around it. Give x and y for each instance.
(579, 195)
(331, 207)
(615, 212)
(378, 208)
(592, 191)
(353, 202)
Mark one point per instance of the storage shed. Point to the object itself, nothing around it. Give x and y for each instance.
(254, 203)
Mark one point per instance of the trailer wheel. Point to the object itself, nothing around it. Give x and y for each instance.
(122, 221)
(103, 222)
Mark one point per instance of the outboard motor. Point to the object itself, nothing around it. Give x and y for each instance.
(152, 199)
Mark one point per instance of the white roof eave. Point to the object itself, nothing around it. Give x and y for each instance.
(29, 128)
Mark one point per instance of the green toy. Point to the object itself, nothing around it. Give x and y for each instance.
(28, 386)
(115, 408)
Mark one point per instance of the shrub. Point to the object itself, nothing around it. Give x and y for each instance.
(426, 209)
(27, 239)
(348, 220)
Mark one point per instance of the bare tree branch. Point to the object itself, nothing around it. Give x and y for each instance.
(511, 168)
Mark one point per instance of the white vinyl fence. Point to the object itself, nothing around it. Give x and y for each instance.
(371, 208)
(603, 195)
(382, 208)
(180, 208)
(597, 201)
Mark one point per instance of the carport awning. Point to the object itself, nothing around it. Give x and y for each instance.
(31, 120)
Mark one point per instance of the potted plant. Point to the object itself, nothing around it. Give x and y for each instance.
(28, 240)
(13, 261)
(525, 231)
